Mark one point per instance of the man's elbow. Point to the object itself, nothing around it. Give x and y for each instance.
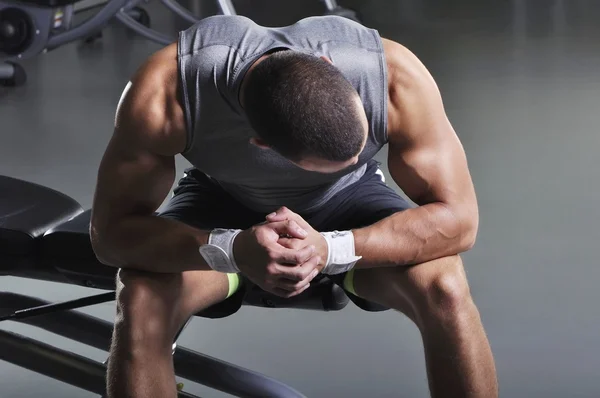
(470, 228)
(101, 247)
(465, 224)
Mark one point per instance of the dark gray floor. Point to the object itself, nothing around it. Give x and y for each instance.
(520, 82)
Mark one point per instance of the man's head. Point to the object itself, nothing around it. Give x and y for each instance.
(303, 107)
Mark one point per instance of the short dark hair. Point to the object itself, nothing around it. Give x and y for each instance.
(301, 105)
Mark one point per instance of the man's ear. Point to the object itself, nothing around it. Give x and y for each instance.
(324, 58)
(259, 143)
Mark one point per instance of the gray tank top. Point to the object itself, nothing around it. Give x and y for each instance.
(213, 57)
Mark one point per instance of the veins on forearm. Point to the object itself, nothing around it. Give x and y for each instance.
(411, 236)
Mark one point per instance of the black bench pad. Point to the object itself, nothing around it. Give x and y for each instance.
(68, 249)
(27, 211)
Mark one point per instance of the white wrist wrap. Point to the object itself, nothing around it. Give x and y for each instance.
(341, 257)
(220, 254)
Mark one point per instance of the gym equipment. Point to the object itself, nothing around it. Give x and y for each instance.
(225, 7)
(44, 236)
(30, 27)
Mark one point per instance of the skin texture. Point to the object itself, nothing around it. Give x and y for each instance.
(410, 259)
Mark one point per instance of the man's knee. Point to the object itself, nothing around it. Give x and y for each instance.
(439, 287)
(146, 304)
(449, 289)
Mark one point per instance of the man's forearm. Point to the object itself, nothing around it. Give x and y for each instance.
(414, 236)
(151, 243)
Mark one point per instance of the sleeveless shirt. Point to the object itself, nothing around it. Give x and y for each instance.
(214, 55)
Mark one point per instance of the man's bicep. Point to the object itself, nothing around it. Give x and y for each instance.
(426, 157)
(132, 179)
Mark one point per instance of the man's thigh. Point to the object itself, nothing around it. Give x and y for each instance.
(360, 205)
(200, 202)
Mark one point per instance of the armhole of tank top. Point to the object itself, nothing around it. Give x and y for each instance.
(184, 99)
(383, 124)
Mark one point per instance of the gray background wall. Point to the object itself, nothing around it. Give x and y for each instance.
(520, 82)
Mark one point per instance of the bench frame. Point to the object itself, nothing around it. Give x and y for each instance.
(82, 372)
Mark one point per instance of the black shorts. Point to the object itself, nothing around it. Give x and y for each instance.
(199, 201)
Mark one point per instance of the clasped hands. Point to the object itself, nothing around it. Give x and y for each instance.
(281, 255)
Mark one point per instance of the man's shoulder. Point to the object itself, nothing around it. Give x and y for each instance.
(404, 67)
(407, 78)
(150, 104)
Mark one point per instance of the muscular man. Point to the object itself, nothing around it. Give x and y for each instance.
(281, 125)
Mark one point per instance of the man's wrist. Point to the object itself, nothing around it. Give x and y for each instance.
(219, 252)
(341, 255)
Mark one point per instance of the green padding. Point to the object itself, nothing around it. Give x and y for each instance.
(234, 284)
(349, 282)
